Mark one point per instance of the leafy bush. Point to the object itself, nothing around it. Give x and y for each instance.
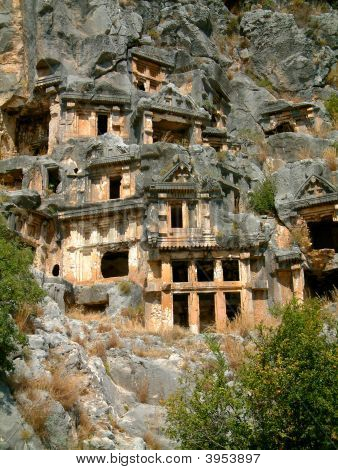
(283, 397)
(233, 25)
(17, 288)
(262, 199)
(331, 106)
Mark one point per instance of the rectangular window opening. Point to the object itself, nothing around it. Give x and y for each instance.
(207, 311)
(205, 271)
(181, 310)
(12, 180)
(102, 124)
(115, 187)
(53, 179)
(176, 216)
(233, 304)
(324, 234)
(180, 271)
(230, 270)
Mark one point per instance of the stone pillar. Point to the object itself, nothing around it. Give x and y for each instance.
(166, 271)
(125, 182)
(205, 217)
(93, 124)
(194, 313)
(245, 277)
(298, 281)
(192, 272)
(220, 311)
(167, 308)
(54, 124)
(148, 127)
(218, 270)
(196, 137)
(115, 118)
(185, 214)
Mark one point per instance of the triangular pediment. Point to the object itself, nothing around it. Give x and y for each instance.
(315, 186)
(179, 173)
(170, 96)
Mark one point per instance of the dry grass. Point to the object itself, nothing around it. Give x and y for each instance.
(36, 414)
(330, 157)
(85, 314)
(232, 42)
(105, 326)
(81, 341)
(113, 341)
(153, 353)
(319, 130)
(243, 325)
(288, 97)
(234, 351)
(300, 234)
(98, 348)
(332, 78)
(151, 441)
(86, 428)
(66, 388)
(172, 335)
(24, 316)
(305, 154)
(62, 387)
(114, 424)
(142, 390)
(127, 3)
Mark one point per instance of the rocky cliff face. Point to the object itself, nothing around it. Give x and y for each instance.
(199, 102)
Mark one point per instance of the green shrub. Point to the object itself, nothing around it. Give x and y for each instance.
(283, 397)
(331, 106)
(17, 288)
(262, 199)
(154, 34)
(124, 287)
(233, 26)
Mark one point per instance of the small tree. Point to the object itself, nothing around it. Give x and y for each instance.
(206, 413)
(17, 287)
(283, 397)
(262, 199)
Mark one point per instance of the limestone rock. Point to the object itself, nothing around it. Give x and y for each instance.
(15, 433)
(282, 53)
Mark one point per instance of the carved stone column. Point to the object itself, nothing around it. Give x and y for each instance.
(298, 281)
(220, 311)
(245, 277)
(194, 313)
(148, 127)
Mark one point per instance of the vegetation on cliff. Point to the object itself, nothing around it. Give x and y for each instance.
(18, 291)
(283, 397)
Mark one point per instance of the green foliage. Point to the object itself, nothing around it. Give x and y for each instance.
(268, 5)
(17, 287)
(265, 83)
(201, 419)
(233, 26)
(209, 106)
(10, 338)
(331, 106)
(262, 199)
(124, 287)
(283, 397)
(293, 381)
(154, 34)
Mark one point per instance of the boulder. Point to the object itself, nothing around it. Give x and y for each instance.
(124, 295)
